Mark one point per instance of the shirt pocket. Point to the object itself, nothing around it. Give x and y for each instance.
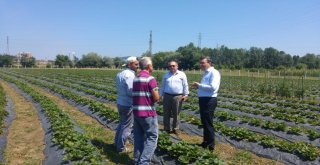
(167, 80)
(177, 81)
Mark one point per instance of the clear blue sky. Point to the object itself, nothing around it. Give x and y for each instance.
(121, 27)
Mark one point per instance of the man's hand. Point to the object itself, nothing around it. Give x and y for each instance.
(184, 98)
(195, 84)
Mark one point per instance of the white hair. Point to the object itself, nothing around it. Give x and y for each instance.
(144, 62)
(131, 59)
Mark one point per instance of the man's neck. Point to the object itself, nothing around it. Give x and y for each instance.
(130, 69)
(206, 69)
(146, 70)
(173, 72)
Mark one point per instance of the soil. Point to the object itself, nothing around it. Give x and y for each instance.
(25, 141)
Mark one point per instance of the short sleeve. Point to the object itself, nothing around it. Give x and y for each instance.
(152, 84)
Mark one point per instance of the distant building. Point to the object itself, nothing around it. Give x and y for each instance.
(44, 63)
(20, 55)
(24, 54)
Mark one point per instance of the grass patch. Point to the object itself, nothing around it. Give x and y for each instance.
(242, 157)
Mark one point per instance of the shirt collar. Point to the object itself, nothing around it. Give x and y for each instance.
(130, 69)
(174, 73)
(144, 72)
(209, 69)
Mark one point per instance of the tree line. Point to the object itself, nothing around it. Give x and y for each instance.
(226, 58)
(188, 57)
(9, 60)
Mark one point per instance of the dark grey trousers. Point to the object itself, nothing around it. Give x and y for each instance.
(171, 108)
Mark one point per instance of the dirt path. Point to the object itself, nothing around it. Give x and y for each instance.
(100, 136)
(25, 142)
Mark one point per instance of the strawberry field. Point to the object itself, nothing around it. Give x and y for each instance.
(273, 118)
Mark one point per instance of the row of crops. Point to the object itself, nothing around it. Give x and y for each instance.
(77, 147)
(3, 113)
(288, 125)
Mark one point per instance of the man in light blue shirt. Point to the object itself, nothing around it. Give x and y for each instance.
(174, 90)
(124, 82)
(207, 93)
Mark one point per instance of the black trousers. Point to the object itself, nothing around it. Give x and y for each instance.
(207, 106)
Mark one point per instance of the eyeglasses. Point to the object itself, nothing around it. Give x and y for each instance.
(171, 66)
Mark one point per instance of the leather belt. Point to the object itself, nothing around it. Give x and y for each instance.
(173, 94)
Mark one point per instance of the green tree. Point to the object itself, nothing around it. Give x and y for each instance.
(117, 62)
(62, 61)
(295, 60)
(189, 56)
(238, 58)
(317, 62)
(27, 61)
(255, 58)
(107, 62)
(271, 58)
(301, 66)
(287, 60)
(75, 60)
(214, 54)
(6, 60)
(91, 60)
(309, 60)
(161, 59)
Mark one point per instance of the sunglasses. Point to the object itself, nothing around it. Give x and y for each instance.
(171, 66)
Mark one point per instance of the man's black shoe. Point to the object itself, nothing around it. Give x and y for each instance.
(200, 126)
(203, 145)
(211, 148)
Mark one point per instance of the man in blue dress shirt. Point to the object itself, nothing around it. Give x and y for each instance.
(207, 93)
(124, 81)
(174, 90)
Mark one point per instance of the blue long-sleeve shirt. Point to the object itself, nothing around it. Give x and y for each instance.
(124, 81)
(210, 83)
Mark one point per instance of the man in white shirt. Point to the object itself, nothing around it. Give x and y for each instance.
(174, 90)
(207, 93)
(124, 81)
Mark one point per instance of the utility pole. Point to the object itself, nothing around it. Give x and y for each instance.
(150, 43)
(8, 51)
(199, 41)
